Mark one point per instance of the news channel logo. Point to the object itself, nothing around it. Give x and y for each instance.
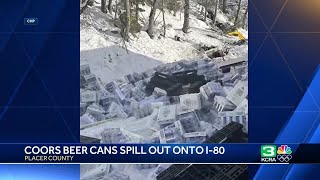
(272, 154)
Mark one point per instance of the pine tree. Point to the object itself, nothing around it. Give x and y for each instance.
(137, 10)
(103, 6)
(215, 11)
(110, 6)
(205, 11)
(186, 16)
(237, 15)
(151, 19)
(163, 19)
(224, 6)
(127, 28)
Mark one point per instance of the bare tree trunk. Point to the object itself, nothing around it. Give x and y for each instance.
(103, 6)
(163, 19)
(110, 6)
(244, 18)
(116, 13)
(205, 11)
(151, 19)
(215, 12)
(137, 10)
(224, 6)
(237, 15)
(185, 27)
(202, 10)
(127, 30)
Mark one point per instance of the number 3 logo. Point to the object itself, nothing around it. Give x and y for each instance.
(268, 151)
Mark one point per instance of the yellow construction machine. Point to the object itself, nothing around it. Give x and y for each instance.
(238, 34)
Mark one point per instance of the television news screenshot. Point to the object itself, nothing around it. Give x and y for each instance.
(159, 90)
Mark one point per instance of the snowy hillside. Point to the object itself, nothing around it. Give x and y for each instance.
(102, 46)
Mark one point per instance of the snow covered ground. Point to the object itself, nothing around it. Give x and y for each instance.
(102, 47)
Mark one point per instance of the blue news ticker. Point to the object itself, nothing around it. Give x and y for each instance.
(153, 153)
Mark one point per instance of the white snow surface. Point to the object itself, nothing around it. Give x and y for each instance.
(103, 49)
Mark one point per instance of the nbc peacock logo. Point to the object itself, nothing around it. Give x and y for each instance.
(284, 153)
(284, 149)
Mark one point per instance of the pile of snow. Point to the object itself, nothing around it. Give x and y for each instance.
(90, 39)
(113, 62)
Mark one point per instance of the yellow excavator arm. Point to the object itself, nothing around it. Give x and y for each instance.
(238, 34)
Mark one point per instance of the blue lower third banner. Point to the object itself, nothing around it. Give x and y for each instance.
(159, 153)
